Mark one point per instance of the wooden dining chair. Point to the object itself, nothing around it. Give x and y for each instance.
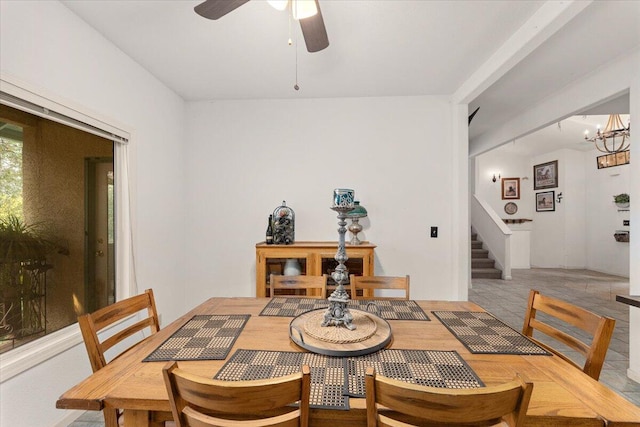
(198, 401)
(364, 287)
(93, 324)
(293, 286)
(600, 328)
(407, 404)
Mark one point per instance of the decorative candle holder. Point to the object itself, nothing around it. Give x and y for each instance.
(343, 197)
(338, 314)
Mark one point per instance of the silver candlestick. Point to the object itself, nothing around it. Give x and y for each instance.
(338, 314)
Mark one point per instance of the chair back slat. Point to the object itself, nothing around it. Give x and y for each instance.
(288, 286)
(364, 287)
(115, 312)
(600, 328)
(477, 406)
(226, 401)
(567, 312)
(127, 332)
(194, 418)
(561, 336)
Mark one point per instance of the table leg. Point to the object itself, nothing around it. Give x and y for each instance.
(136, 418)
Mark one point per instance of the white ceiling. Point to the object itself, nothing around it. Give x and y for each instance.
(565, 134)
(377, 48)
(605, 30)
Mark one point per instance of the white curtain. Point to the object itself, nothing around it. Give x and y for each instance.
(126, 284)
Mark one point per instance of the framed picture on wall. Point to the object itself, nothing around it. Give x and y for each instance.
(510, 188)
(546, 201)
(602, 162)
(610, 160)
(545, 175)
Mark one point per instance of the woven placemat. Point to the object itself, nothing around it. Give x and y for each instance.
(386, 309)
(442, 369)
(327, 373)
(203, 337)
(482, 333)
(334, 379)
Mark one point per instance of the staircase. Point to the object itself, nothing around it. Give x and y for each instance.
(481, 266)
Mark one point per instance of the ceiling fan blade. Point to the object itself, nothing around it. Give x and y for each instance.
(473, 115)
(215, 9)
(314, 31)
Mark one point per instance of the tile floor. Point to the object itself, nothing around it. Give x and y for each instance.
(89, 419)
(507, 300)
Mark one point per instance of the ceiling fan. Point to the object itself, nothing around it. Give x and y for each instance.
(313, 29)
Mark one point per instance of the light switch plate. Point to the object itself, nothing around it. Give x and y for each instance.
(434, 232)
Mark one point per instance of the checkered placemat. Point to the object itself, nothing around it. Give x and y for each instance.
(386, 309)
(442, 369)
(327, 373)
(482, 333)
(334, 379)
(204, 337)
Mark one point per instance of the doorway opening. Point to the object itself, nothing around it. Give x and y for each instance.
(100, 289)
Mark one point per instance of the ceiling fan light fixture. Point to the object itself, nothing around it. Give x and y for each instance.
(302, 9)
(307, 12)
(278, 4)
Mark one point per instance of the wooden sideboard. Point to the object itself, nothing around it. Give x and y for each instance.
(315, 258)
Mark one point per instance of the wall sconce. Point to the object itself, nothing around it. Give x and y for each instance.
(559, 198)
(494, 179)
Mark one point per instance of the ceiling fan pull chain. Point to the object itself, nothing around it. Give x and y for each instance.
(290, 42)
(296, 87)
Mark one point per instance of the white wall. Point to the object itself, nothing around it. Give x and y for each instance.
(574, 187)
(504, 163)
(507, 165)
(579, 233)
(47, 47)
(603, 252)
(634, 245)
(558, 237)
(245, 157)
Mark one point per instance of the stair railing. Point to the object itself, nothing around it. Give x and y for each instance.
(493, 232)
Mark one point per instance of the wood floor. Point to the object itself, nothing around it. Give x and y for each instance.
(507, 299)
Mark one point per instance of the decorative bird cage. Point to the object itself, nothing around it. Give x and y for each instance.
(284, 224)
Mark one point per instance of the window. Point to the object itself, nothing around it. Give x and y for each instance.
(57, 236)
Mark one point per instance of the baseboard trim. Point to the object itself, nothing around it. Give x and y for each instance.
(633, 375)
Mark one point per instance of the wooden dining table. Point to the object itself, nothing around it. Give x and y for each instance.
(562, 394)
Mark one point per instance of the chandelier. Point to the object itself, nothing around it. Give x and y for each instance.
(606, 142)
